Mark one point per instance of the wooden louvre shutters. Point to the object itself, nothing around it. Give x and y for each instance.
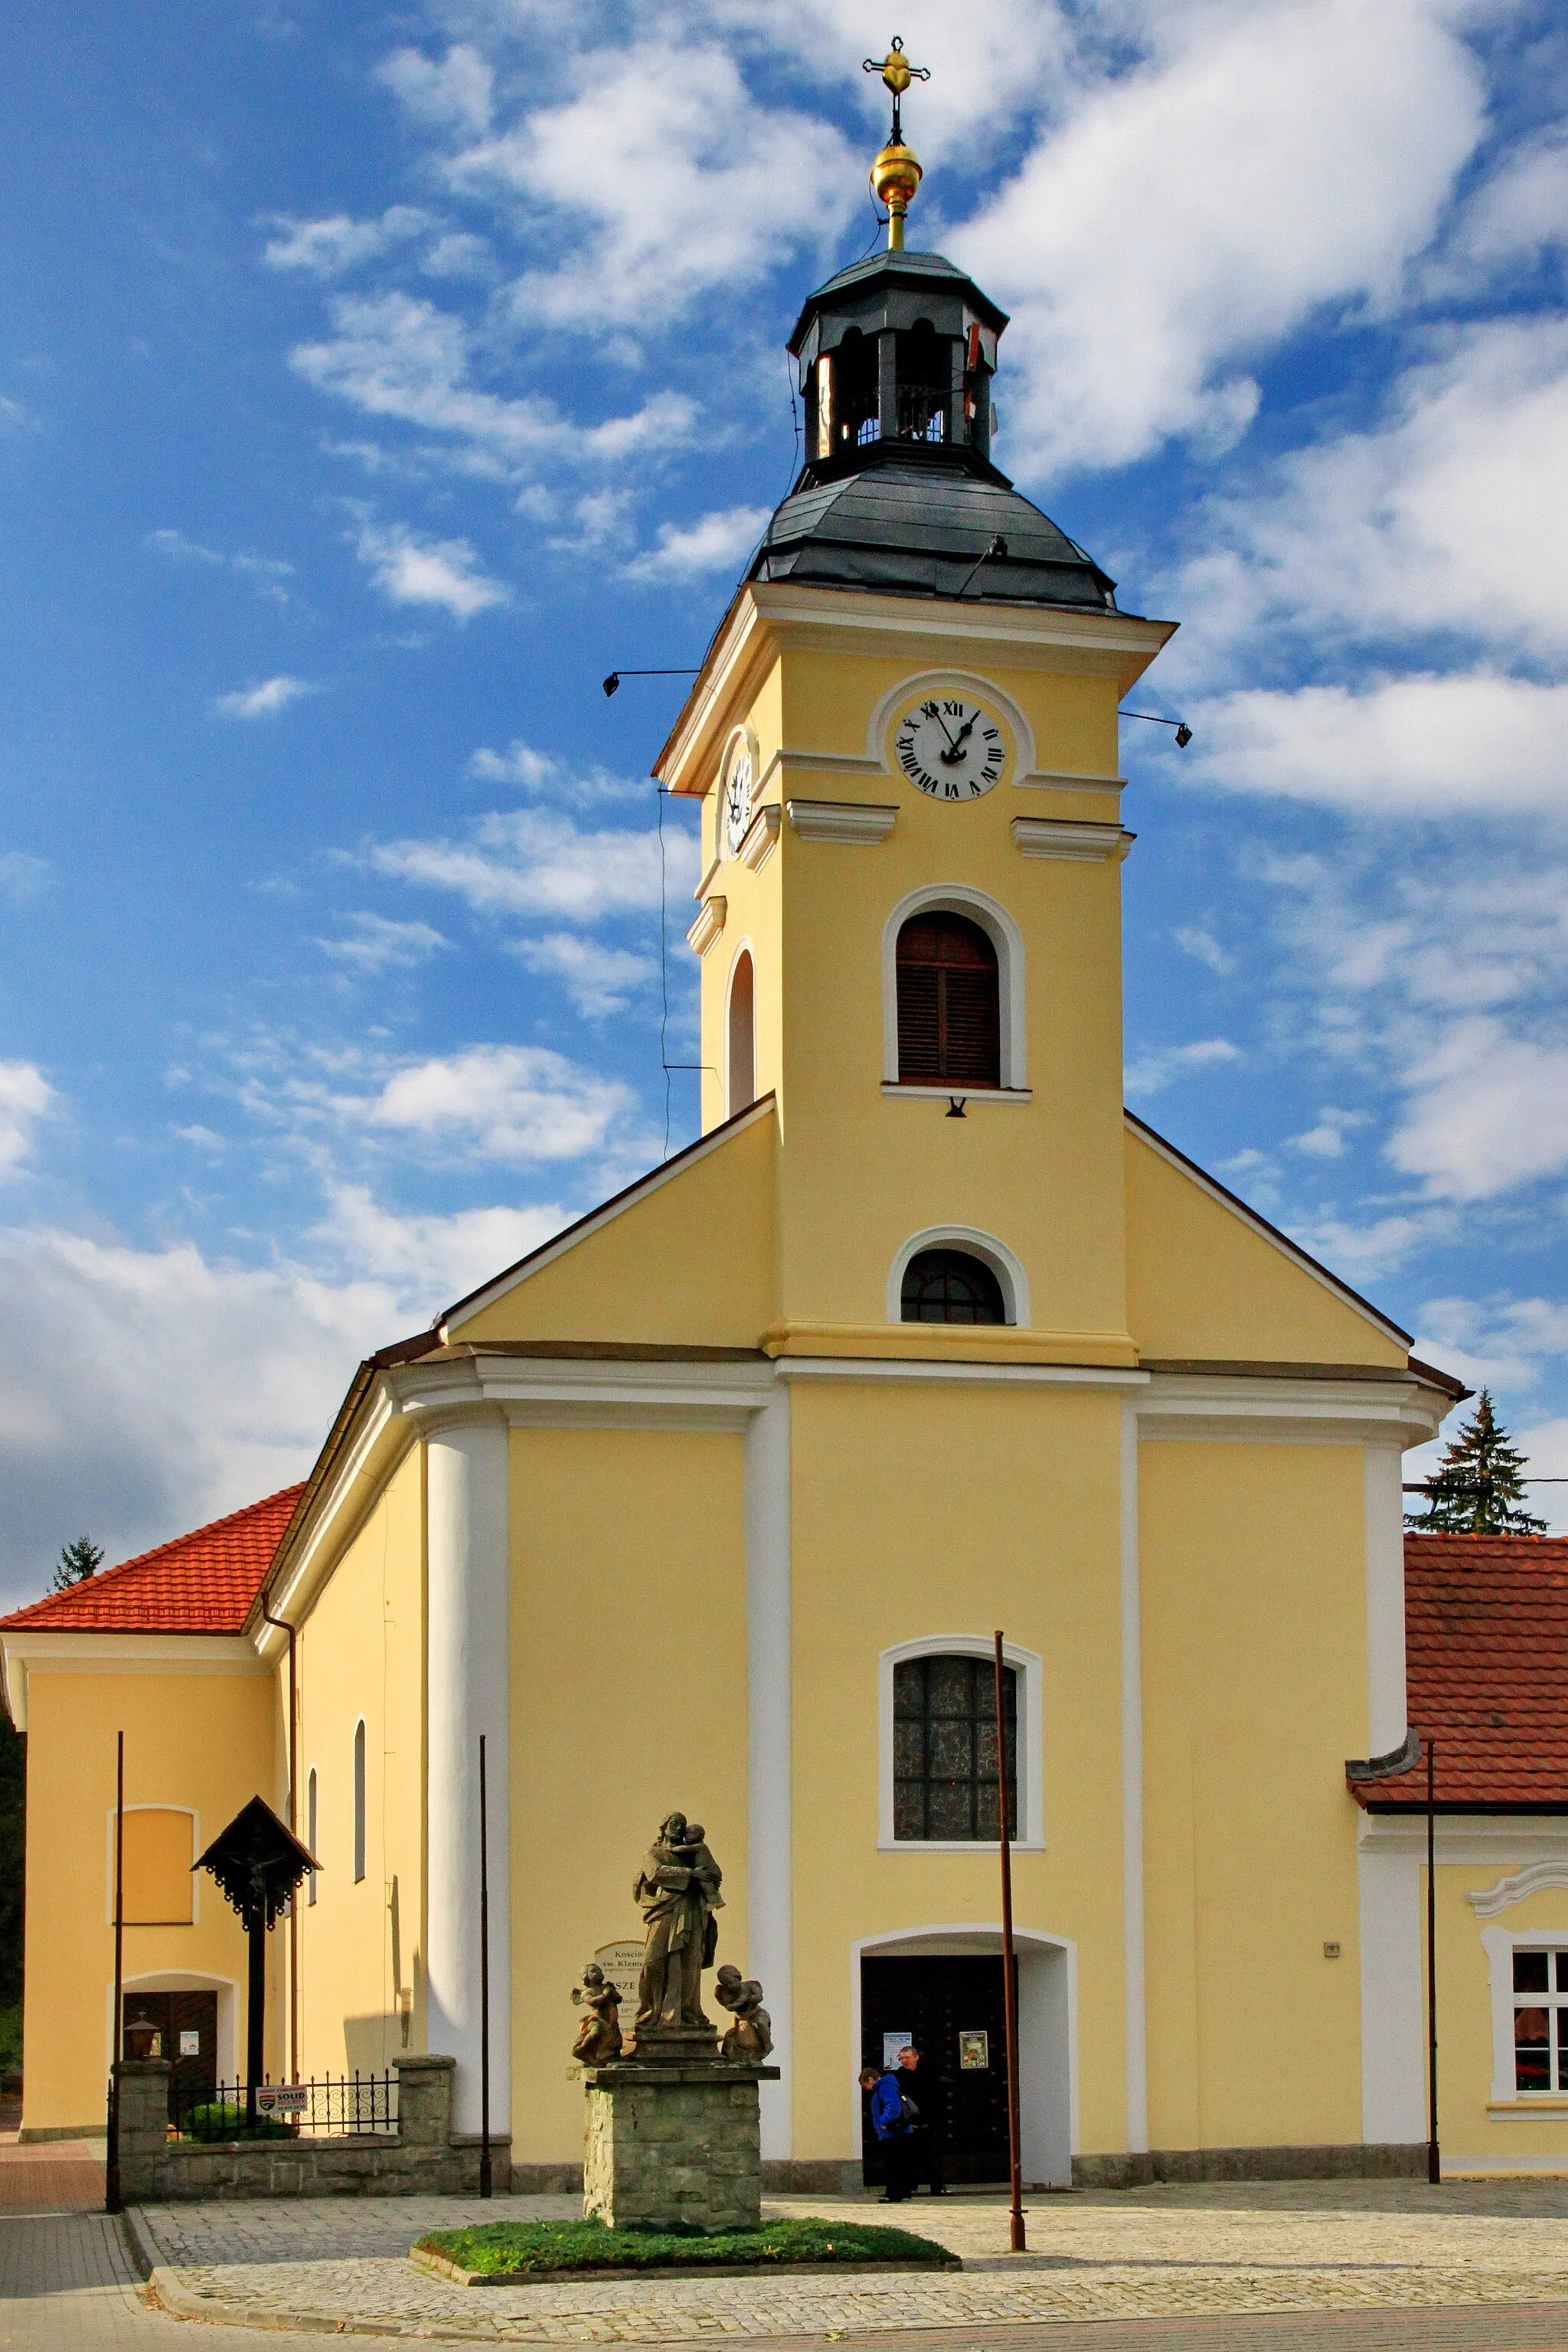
(950, 1028)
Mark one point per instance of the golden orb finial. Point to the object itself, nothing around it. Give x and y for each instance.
(896, 173)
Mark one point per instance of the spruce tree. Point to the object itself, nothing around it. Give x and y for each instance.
(76, 1562)
(1478, 1488)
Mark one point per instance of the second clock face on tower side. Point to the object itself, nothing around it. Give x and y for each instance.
(949, 748)
(736, 812)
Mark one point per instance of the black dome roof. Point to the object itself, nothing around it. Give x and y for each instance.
(909, 522)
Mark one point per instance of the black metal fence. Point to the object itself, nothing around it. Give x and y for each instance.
(324, 2108)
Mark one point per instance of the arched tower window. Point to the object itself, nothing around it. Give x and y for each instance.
(949, 1025)
(359, 1800)
(949, 1286)
(925, 382)
(310, 1802)
(743, 1035)
(944, 1749)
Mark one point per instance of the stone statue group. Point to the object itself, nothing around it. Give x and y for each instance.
(677, 1891)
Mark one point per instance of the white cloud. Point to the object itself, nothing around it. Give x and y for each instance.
(23, 876)
(715, 542)
(372, 944)
(1513, 217)
(263, 702)
(452, 93)
(534, 862)
(1326, 1140)
(518, 764)
(598, 980)
(1204, 947)
(394, 356)
(1428, 745)
(25, 1098)
(327, 247)
(437, 1259)
(1487, 1112)
(1359, 1252)
(514, 1103)
(1263, 162)
(266, 573)
(1152, 1072)
(681, 207)
(411, 569)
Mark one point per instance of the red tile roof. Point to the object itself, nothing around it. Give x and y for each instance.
(1486, 1641)
(201, 1584)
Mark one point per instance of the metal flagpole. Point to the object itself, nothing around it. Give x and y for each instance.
(111, 2153)
(1009, 1973)
(484, 1982)
(1434, 2154)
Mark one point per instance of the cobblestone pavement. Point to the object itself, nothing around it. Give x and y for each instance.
(1162, 2253)
(67, 2284)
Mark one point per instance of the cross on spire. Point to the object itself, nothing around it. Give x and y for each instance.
(898, 73)
(896, 173)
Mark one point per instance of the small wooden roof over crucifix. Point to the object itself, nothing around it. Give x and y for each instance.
(257, 1862)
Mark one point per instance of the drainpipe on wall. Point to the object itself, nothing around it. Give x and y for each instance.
(284, 1627)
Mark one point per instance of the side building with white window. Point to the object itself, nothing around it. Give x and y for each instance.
(718, 1499)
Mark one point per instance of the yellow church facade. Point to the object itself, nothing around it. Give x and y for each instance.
(717, 1499)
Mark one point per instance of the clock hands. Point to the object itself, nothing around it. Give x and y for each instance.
(951, 757)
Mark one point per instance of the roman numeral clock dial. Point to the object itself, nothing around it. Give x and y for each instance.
(950, 748)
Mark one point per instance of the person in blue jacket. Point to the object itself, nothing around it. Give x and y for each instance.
(895, 2127)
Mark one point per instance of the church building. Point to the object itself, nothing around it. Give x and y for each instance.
(716, 1500)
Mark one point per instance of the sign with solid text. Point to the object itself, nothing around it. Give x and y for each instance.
(282, 2098)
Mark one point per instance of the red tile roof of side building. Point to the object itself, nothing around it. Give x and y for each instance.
(201, 1584)
(1486, 1643)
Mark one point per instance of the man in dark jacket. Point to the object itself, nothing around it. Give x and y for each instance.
(894, 2130)
(920, 2081)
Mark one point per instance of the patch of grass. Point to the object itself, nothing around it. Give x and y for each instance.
(504, 2246)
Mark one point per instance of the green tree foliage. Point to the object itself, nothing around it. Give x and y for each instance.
(1478, 1488)
(76, 1562)
(13, 1818)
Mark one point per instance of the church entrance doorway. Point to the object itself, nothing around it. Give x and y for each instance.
(183, 2027)
(942, 1986)
(951, 2008)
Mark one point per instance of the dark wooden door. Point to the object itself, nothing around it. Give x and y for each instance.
(944, 2002)
(186, 2027)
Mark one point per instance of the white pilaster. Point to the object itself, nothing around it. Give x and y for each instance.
(1135, 2015)
(1384, 1512)
(770, 1931)
(1392, 1999)
(469, 1679)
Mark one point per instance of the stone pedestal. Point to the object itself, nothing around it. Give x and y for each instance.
(669, 2141)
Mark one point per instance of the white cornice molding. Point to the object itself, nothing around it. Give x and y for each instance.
(100, 1651)
(932, 1368)
(894, 1087)
(1085, 844)
(709, 924)
(1535, 1878)
(761, 836)
(857, 822)
(1272, 1408)
(1067, 780)
(1499, 1841)
(708, 880)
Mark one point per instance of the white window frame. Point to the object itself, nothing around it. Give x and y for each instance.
(1030, 1828)
(1499, 1946)
(1008, 1270)
(958, 899)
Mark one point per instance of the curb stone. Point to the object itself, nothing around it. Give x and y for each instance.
(421, 2258)
(149, 2258)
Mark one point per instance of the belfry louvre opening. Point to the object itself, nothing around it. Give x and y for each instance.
(949, 1024)
(944, 1749)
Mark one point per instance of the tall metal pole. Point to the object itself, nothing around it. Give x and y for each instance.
(111, 2153)
(1434, 2154)
(485, 2189)
(1009, 1971)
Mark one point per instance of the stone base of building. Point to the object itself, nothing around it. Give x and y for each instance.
(674, 2145)
(422, 2157)
(1355, 2160)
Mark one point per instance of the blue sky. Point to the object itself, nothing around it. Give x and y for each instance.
(371, 381)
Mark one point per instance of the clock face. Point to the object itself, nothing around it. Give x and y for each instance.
(737, 811)
(950, 748)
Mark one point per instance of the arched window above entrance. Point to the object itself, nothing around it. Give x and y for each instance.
(949, 1025)
(949, 1286)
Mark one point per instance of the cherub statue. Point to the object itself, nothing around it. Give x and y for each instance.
(750, 2038)
(599, 2035)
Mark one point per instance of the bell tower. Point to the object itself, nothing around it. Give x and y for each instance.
(904, 739)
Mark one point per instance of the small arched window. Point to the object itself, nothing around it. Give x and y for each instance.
(944, 1749)
(311, 1817)
(950, 1023)
(742, 1039)
(949, 1286)
(359, 1800)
